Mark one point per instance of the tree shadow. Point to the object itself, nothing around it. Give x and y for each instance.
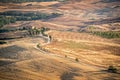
(2, 63)
(68, 76)
(109, 78)
(10, 52)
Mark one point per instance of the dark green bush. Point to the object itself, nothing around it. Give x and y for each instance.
(3, 42)
(38, 45)
(112, 69)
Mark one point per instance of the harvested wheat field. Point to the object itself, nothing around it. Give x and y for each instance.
(25, 61)
(59, 40)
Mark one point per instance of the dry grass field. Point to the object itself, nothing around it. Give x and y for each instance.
(21, 60)
(72, 53)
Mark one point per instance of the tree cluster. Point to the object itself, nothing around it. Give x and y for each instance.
(35, 31)
(6, 20)
(112, 69)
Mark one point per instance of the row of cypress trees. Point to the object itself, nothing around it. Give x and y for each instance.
(107, 34)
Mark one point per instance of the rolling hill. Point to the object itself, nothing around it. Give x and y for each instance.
(73, 53)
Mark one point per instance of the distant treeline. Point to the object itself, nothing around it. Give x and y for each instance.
(20, 1)
(6, 20)
(12, 16)
(109, 1)
(107, 34)
(25, 16)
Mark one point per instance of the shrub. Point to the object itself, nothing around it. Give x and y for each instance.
(65, 56)
(38, 45)
(3, 42)
(112, 69)
(77, 60)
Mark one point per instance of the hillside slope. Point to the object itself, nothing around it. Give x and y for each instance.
(73, 52)
(25, 61)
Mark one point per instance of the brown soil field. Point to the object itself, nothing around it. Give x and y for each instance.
(21, 60)
(71, 54)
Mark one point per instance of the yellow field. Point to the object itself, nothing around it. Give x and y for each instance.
(32, 64)
(71, 55)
